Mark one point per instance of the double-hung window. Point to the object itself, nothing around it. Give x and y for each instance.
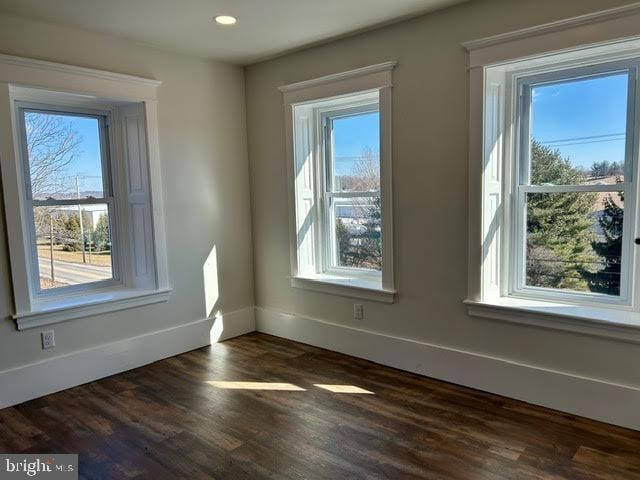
(69, 197)
(339, 151)
(575, 185)
(82, 191)
(554, 185)
(352, 219)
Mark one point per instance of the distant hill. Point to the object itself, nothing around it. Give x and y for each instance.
(73, 195)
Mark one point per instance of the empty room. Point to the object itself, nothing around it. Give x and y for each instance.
(320, 239)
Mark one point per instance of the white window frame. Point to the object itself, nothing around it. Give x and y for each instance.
(352, 92)
(328, 242)
(495, 65)
(514, 259)
(109, 198)
(129, 105)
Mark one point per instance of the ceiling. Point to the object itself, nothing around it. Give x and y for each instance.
(265, 28)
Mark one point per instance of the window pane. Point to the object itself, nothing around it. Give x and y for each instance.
(574, 241)
(358, 240)
(64, 156)
(73, 249)
(356, 156)
(578, 131)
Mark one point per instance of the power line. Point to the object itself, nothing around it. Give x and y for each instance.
(589, 137)
(585, 143)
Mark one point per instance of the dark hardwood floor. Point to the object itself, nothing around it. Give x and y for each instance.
(174, 419)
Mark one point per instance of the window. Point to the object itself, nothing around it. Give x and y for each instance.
(341, 183)
(352, 190)
(576, 163)
(81, 174)
(69, 197)
(554, 179)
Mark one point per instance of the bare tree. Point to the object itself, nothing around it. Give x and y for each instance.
(52, 145)
(360, 242)
(367, 171)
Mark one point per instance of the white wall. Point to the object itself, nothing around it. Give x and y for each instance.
(206, 186)
(430, 128)
(205, 169)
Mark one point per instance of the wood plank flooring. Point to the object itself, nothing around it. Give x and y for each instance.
(171, 420)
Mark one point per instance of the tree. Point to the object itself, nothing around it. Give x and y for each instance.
(101, 233)
(607, 279)
(72, 242)
(606, 169)
(363, 246)
(559, 232)
(43, 218)
(544, 266)
(372, 237)
(52, 145)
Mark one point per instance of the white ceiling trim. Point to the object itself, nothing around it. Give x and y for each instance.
(87, 72)
(552, 27)
(613, 27)
(70, 78)
(335, 77)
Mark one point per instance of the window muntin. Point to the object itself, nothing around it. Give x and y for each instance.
(352, 219)
(69, 198)
(576, 154)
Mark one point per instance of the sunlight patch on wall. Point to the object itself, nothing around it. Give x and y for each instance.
(217, 328)
(210, 277)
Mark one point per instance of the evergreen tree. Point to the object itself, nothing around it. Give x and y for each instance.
(607, 280)
(342, 235)
(72, 233)
(372, 238)
(559, 232)
(101, 233)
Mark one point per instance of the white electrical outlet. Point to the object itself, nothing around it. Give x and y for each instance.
(48, 339)
(358, 311)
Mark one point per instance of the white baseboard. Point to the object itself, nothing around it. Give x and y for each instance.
(597, 399)
(34, 380)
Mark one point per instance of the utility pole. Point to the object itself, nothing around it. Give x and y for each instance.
(84, 258)
(53, 274)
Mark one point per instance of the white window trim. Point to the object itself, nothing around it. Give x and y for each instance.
(517, 287)
(371, 78)
(572, 43)
(17, 72)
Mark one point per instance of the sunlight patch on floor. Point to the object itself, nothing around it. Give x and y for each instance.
(343, 389)
(256, 386)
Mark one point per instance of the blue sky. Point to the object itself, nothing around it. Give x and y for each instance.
(562, 116)
(87, 162)
(351, 135)
(585, 120)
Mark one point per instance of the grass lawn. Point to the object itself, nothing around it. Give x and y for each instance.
(46, 283)
(101, 259)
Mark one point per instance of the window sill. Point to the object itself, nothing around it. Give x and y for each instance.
(346, 287)
(58, 310)
(612, 323)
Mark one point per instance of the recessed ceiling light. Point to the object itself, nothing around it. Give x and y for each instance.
(226, 20)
